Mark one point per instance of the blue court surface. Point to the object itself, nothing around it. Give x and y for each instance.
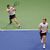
(22, 40)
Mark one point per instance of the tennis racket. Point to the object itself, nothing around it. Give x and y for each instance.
(16, 3)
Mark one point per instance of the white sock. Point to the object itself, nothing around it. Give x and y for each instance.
(42, 40)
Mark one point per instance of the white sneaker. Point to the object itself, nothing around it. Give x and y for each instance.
(44, 46)
(19, 26)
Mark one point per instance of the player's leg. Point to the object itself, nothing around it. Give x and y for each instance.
(10, 20)
(14, 22)
(15, 19)
(44, 40)
(17, 23)
(41, 37)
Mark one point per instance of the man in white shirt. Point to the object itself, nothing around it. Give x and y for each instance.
(12, 11)
(43, 28)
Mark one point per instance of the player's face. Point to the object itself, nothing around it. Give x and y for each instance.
(44, 21)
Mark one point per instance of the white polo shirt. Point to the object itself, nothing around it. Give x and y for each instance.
(11, 11)
(44, 27)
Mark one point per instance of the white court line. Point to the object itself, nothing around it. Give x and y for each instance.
(18, 29)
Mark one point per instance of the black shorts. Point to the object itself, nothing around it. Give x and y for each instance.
(42, 34)
(12, 16)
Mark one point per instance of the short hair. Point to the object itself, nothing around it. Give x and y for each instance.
(8, 5)
(45, 19)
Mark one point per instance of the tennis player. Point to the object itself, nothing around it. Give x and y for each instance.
(12, 17)
(43, 28)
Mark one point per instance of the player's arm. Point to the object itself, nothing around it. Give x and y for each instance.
(14, 9)
(47, 29)
(40, 28)
(8, 10)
